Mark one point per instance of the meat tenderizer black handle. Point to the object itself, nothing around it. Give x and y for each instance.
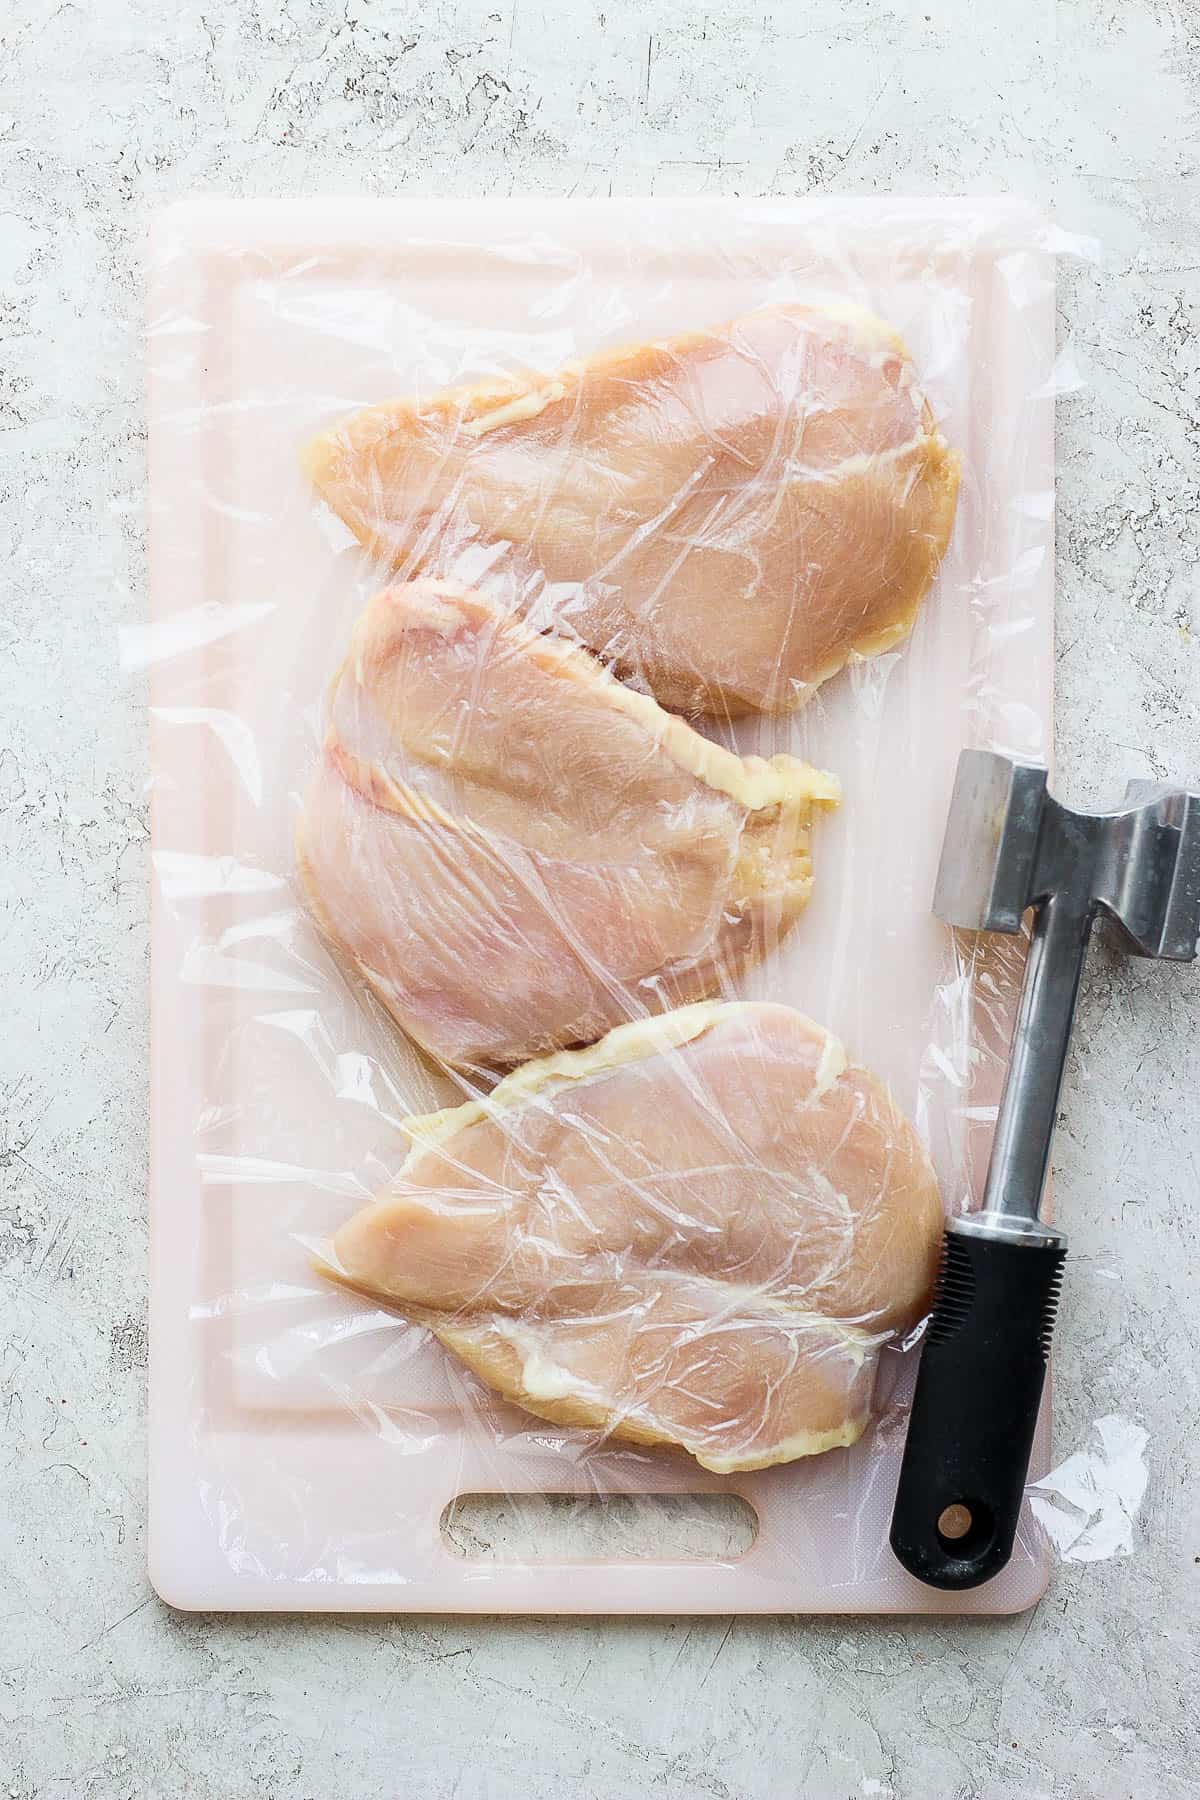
(979, 1386)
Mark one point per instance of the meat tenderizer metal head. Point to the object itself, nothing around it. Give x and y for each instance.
(1010, 846)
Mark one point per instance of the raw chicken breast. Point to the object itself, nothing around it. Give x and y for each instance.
(726, 516)
(697, 1232)
(517, 852)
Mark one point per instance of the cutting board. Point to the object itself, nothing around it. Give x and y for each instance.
(303, 1444)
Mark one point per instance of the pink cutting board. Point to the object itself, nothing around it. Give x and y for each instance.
(303, 1444)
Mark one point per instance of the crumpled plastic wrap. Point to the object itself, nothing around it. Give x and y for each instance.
(566, 620)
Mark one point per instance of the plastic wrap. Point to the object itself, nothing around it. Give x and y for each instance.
(566, 620)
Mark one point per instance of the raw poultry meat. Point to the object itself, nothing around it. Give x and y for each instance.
(726, 517)
(696, 1232)
(517, 852)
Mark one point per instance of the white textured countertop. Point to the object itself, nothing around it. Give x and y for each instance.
(111, 108)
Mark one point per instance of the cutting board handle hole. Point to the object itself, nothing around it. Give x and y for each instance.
(532, 1528)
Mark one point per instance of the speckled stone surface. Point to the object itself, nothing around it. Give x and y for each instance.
(110, 107)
